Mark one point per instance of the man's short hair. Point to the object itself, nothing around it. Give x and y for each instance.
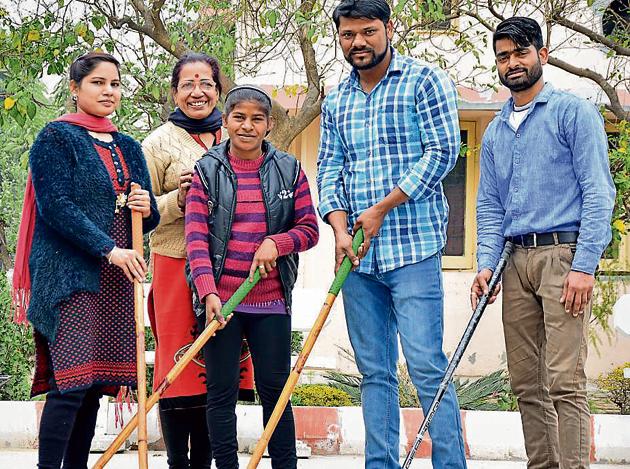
(522, 31)
(371, 9)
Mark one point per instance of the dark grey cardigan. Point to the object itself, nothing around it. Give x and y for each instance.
(75, 211)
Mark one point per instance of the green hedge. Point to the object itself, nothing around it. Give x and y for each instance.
(17, 350)
(319, 395)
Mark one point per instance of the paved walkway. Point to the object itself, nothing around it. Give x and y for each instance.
(157, 460)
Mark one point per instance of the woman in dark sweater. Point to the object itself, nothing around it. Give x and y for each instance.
(81, 262)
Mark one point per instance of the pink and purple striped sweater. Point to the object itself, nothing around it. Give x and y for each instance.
(249, 229)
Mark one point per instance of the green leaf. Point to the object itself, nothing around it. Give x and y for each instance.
(273, 18)
(98, 21)
(33, 35)
(89, 37)
(31, 110)
(21, 108)
(19, 118)
(81, 29)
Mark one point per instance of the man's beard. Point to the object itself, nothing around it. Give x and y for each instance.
(529, 78)
(376, 58)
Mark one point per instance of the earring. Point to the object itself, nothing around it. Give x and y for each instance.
(74, 98)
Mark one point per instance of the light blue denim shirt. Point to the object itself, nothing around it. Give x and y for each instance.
(551, 174)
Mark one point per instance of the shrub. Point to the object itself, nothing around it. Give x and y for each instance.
(319, 395)
(617, 387)
(297, 338)
(407, 394)
(490, 392)
(619, 156)
(350, 384)
(17, 350)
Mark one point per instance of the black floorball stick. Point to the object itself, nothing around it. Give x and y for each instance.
(459, 352)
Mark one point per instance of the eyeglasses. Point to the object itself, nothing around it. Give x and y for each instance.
(204, 85)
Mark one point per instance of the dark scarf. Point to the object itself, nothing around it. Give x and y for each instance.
(209, 124)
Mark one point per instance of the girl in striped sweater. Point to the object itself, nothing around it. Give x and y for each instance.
(249, 207)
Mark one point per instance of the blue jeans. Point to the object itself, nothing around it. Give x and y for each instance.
(408, 302)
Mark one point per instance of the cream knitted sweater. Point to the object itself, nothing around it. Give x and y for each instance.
(169, 150)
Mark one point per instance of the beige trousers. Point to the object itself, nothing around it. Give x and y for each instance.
(546, 353)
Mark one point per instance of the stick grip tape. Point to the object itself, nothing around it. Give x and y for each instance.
(346, 265)
(239, 295)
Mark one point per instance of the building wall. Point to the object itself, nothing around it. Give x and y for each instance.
(287, 69)
(486, 352)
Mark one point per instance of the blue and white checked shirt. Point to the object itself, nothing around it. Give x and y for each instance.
(404, 133)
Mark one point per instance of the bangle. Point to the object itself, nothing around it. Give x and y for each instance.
(109, 256)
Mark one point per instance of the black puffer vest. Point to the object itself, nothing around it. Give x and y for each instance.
(279, 173)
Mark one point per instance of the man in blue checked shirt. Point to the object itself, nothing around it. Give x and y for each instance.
(546, 186)
(389, 136)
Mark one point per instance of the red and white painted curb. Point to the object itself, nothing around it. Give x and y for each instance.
(340, 431)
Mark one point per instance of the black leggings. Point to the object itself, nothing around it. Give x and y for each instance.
(67, 428)
(269, 338)
(180, 425)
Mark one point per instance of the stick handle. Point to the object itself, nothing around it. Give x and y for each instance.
(309, 343)
(138, 246)
(227, 309)
(137, 240)
(346, 264)
(459, 352)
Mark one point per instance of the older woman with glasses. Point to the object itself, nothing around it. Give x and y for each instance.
(171, 151)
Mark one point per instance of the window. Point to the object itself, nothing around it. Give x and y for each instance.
(616, 19)
(460, 193)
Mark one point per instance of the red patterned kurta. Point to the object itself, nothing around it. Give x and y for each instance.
(95, 343)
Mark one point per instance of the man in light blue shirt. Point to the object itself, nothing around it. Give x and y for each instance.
(545, 185)
(389, 136)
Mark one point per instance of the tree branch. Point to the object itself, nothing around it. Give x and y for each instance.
(152, 27)
(290, 127)
(615, 105)
(141, 8)
(157, 6)
(494, 12)
(313, 95)
(592, 35)
(287, 128)
(477, 16)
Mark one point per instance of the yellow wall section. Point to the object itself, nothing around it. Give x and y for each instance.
(305, 147)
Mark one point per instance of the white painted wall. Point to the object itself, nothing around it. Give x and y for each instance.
(288, 69)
